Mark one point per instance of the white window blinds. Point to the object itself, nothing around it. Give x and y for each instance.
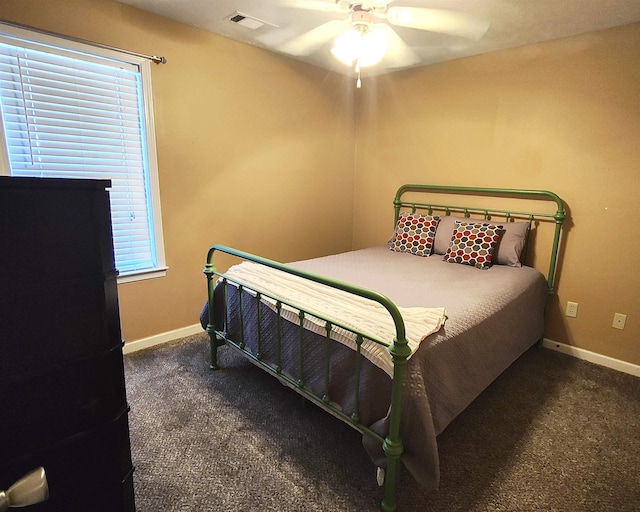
(70, 115)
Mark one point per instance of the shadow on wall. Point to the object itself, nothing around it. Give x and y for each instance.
(556, 327)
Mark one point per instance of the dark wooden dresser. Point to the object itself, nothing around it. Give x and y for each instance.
(62, 393)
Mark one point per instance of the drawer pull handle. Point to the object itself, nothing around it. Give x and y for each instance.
(29, 490)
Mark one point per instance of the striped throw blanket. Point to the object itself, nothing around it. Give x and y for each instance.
(359, 313)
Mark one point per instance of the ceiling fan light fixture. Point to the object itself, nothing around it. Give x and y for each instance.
(373, 48)
(347, 47)
(364, 48)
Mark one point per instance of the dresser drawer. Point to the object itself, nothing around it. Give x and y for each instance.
(48, 324)
(88, 472)
(62, 225)
(56, 402)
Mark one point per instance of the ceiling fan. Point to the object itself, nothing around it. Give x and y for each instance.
(369, 23)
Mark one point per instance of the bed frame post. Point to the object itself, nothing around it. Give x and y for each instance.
(559, 219)
(392, 445)
(209, 271)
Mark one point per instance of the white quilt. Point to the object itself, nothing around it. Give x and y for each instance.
(359, 313)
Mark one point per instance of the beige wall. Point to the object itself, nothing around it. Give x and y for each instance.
(252, 148)
(562, 116)
(278, 138)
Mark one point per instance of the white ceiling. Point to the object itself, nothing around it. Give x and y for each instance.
(513, 23)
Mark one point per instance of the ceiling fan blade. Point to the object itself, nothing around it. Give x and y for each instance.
(399, 54)
(310, 41)
(438, 20)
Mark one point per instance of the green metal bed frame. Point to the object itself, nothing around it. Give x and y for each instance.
(398, 347)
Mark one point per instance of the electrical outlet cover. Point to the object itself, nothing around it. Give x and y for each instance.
(572, 309)
(619, 320)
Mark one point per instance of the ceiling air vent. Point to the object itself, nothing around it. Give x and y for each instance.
(247, 21)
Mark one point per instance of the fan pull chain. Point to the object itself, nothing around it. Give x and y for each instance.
(358, 80)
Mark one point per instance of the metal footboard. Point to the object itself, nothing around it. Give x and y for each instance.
(398, 348)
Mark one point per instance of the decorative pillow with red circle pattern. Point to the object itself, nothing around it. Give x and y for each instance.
(473, 243)
(414, 234)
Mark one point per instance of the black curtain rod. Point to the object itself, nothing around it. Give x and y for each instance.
(157, 60)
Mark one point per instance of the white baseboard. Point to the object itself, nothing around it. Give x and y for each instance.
(592, 357)
(158, 339)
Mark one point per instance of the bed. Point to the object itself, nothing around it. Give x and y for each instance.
(398, 339)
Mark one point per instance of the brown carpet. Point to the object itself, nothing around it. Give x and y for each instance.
(553, 433)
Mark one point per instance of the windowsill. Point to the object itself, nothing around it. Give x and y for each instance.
(142, 275)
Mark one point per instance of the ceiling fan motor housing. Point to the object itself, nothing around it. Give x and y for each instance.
(361, 19)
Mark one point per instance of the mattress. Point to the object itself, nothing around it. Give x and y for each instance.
(493, 317)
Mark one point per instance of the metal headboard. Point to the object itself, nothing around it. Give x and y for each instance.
(486, 213)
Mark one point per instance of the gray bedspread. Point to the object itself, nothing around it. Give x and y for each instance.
(494, 316)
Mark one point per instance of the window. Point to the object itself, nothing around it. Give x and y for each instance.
(70, 110)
